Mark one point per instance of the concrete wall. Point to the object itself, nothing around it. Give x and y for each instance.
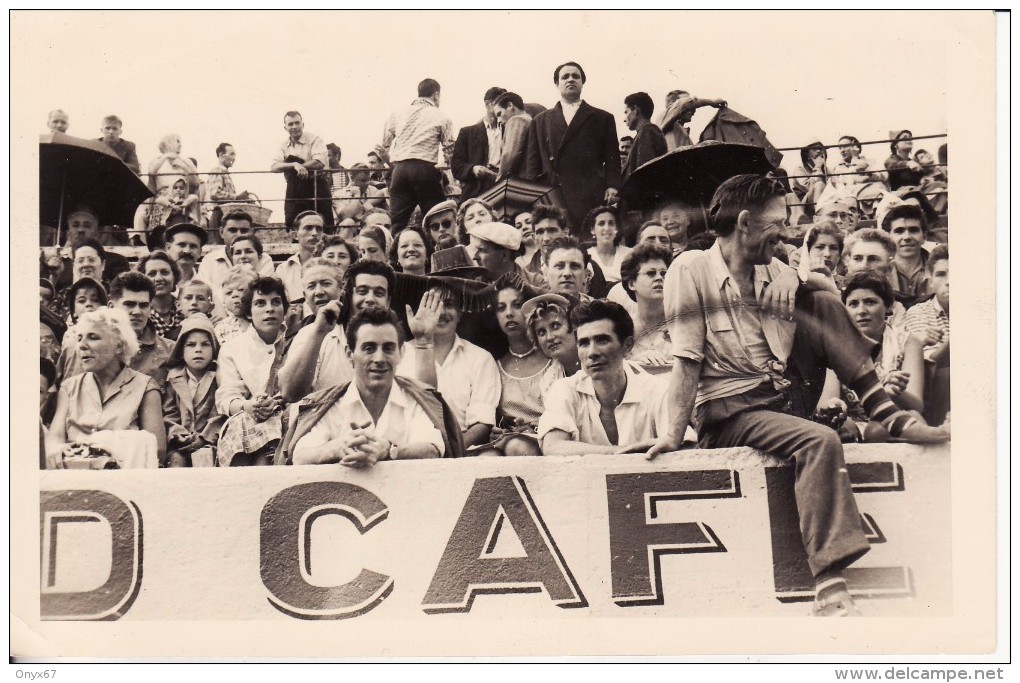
(434, 543)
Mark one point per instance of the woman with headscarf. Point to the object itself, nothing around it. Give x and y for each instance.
(172, 204)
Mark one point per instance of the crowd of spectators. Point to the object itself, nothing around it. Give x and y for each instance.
(412, 321)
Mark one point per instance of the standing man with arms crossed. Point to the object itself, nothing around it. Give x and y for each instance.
(414, 138)
(737, 316)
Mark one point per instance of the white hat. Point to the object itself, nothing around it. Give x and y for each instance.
(500, 234)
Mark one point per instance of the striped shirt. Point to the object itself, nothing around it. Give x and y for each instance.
(928, 315)
(418, 132)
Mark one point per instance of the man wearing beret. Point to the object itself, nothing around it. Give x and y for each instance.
(184, 242)
(497, 246)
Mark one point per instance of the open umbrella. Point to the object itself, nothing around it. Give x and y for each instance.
(513, 195)
(76, 171)
(692, 174)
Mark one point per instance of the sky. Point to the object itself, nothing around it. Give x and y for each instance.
(217, 76)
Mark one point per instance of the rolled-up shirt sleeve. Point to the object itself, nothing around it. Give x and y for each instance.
(421, 430)
(684, 309)
(485, 392)
(319, 152)
(559, 411)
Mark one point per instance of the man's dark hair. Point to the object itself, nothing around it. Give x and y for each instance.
(264, 285)
(510, 98)
(866, 279)
(568, 242)
(112, 118)
(493, 93)
(627, 138)
(428, 87)
(701, 241)
(600, 309)
(371, 316)
(89, 242)
(529, 211)
(333, 147)
(160, 255)
(641, 101)
(293, 113)
(541, 212)
(221, 149)
(303, 215)
(905, 211)
(556, 73)
(939, 253)
(131, 281)
(638, 256)
(368, 267)
(748, 191)
(239, 215)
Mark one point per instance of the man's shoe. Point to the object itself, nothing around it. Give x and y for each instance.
(839, 604)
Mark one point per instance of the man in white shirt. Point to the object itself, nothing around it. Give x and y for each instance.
(318, 356)
(303, 158)
(466, 375)
(309, 228)
(215, 265)
(610, 406)
(376, 417)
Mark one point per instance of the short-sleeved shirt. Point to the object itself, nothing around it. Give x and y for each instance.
(468, 380)
(928, 315)
(706, 324)
(309, 147)
(403, 421)
(332, 367)
(88, 412)
(573, 407)
(290, 272)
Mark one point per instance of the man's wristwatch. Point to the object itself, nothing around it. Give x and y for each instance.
(393, 451)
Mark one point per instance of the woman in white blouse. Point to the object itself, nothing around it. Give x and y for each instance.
(248, 389)
(602, 223)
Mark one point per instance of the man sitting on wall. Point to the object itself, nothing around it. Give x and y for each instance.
(378, 416)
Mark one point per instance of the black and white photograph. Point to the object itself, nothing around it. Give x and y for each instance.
(529, 335)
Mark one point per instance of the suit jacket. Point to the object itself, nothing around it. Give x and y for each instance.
(649, 143)
(195, 412)
(515, 146)
(579, 161)
(470, 150)
(126, 151)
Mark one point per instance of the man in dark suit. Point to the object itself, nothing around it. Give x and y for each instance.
(477, 151)
(573, 148)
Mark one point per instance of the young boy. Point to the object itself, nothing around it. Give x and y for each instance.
(195, 297)
(189, 406)
(236, 282)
